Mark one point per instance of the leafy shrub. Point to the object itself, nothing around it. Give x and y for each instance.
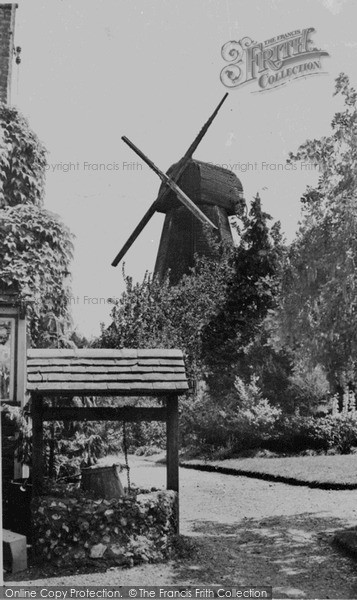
(308, 387)
(82, 447)
(297, 433)
(243, 421)
(344, 432)
(246, 420)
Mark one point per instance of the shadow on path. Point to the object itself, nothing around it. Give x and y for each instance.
(294, 554)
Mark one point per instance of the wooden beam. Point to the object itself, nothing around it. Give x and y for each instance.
(172, 449)
(78, 388)
(104, 413)
(21, 362)
(37, 444)
(99, 353)
(93, 369)
(204, 129)
(93, 378)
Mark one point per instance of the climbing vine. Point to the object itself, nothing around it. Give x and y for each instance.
(35, 246)
(22, 161)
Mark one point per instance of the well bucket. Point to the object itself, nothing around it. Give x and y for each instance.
(103, 482)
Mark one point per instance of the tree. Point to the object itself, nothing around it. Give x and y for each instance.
(155, 314)
(35, 246)
(250, 291)
(317, 316)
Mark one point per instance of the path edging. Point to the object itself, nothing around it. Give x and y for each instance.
(321, 485)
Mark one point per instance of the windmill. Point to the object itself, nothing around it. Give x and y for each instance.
(193, 195)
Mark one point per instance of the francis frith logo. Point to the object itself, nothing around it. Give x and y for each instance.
(273, 62)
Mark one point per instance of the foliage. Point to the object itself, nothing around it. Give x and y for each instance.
(73, 450)
(308, 388)
(211, 431)
(22, 161)
(251, 286)
(35, 246)
(35, 250)
(144, 437)
(68, 447)
(155, 314)
(344, 433)
(294, 434)
(23, 431)
(335, 155)
(318, 304)
(244, 421)
(271, 367)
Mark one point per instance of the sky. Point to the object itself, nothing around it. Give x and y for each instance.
(94, 70)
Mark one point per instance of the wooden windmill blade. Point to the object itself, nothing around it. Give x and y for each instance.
(175, 175)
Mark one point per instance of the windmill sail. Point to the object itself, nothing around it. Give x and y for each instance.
(180, 168)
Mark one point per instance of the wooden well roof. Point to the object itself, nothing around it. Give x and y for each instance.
(124, 372)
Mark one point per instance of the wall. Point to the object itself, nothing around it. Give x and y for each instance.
(7, 26)
(72, 528)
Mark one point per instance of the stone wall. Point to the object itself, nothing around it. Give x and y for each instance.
(72, 528)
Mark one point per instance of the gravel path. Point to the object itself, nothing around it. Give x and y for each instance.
(244, 532)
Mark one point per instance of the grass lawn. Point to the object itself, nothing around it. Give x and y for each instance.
(336, 469)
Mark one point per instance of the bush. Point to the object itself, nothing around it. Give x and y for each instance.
(296, 433)
(243, 421)
(246, 420)
(344, 432)
(308, 388)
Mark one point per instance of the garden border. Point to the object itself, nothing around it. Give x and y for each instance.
(209, 468)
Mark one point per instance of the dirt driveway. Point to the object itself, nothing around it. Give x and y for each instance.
(248, 532)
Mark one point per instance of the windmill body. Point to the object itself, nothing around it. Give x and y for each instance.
(218, 193)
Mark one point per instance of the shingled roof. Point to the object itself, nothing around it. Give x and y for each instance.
(106, 372)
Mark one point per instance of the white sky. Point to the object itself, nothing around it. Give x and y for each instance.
(94, 70)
